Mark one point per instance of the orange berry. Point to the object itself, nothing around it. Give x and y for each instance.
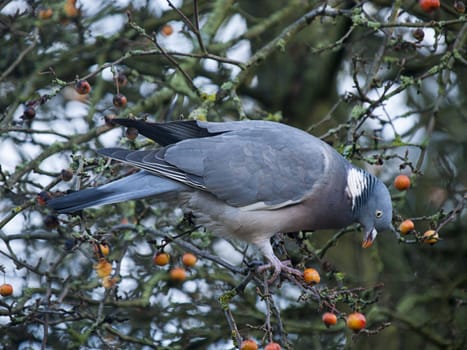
(45, 13)
(429, 5)
(161, 258)
(105, 248)
(70, 9)
(189, 260)
(249, 345)
(103, 268)
(311, 276)
(167, 30)
(120, 100)
(102, 249)
(178, 274)
(356, 321)
(430, 237)
(406, 226)
(402, 182)
(6, 289)
(109, 282)
(329, 319)
(82, 87)
(272, 346)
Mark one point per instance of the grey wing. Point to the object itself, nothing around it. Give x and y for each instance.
(263, 167)
(247, 164)
(153, 161)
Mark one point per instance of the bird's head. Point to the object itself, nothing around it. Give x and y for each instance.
(371, 204)
(376, 214)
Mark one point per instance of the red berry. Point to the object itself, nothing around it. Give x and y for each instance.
(82, 87)
(418, 34)
(66, 174)
(429, 5)
(272, 346)
(120, 100)
(402, 182)
(29, 113)
(43, 197)
(249, 345)
(6, 289)
(406, 226)
(356, 321)
(329, 319)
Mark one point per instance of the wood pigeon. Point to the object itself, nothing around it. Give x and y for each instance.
(246, 179)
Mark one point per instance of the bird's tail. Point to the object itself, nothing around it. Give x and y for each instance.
(136, 186)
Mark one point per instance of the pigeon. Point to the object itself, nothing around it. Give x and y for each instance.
(245, 179)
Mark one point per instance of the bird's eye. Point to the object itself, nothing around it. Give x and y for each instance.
(379, 213)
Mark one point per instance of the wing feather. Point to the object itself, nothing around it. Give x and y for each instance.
(253, 165)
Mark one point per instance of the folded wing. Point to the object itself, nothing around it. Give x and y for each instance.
(246, 164)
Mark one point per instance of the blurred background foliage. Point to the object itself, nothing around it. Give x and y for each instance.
(382, 81)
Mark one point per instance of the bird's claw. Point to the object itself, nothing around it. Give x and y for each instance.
(278, 268)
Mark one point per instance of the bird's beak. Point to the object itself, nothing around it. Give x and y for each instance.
(369, 238)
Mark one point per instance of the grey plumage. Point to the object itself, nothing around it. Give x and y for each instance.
(136, 186)
(247, 179)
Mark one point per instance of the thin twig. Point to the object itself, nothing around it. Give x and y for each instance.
(164, 53)
(184, 244)
(20, 57)
(455, 213)
(193, 27)
(198, 32)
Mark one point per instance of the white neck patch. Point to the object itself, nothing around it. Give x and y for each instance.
(356, 184)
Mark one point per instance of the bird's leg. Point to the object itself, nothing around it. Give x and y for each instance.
(277, 265)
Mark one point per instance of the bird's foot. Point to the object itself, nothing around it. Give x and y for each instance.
(279, 267)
